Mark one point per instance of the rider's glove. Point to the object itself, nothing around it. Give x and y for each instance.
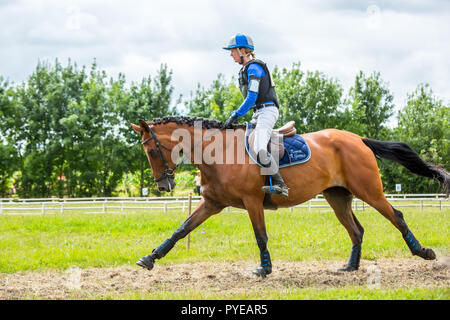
(232, 119)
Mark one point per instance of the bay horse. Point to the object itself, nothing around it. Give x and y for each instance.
(342, 165)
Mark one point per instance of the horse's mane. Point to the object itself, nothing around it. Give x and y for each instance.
(206, 123)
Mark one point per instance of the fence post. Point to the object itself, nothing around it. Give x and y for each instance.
(421, 205)
(104, 206)
(1, 207)
(165, 207)
(440, 205)
(61, 210)
(309, 205)
(43, 207)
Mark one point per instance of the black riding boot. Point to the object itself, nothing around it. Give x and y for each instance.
(278, 186)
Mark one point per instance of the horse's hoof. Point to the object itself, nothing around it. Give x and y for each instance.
(347, 268)
(146, 262)
(427, 254)
(262, 272)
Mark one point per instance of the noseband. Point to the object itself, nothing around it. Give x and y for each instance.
(168, 173)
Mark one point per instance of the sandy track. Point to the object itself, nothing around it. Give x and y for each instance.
(223, 277)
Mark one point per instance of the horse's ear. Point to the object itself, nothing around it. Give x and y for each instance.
(144, 125)
(136, 128)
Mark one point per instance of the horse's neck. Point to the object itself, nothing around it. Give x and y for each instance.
(196, 144)
(198, 141)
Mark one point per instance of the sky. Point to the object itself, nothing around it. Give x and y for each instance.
(407, 41)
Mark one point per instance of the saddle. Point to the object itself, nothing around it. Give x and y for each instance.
(288, 130)
(285, 145)
(275, 146)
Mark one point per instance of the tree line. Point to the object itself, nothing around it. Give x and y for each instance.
(65, 130)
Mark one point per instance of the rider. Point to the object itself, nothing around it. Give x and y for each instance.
(258, 89)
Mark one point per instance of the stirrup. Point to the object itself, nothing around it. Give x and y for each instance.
(280, 189)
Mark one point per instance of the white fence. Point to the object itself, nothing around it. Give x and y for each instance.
(126, 205)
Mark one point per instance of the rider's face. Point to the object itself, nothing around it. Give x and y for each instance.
(234, 53)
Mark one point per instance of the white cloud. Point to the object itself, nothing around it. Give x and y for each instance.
(407, 41)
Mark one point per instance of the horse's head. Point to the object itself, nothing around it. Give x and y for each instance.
(158, 155)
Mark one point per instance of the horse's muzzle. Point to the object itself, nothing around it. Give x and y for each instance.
(166, 185)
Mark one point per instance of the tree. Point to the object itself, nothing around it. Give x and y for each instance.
(99, 155)
(424, 125)
(218, 101)
(69, 130)
(312, 100)
(147, 100)
(42, 102)
(291, 95)
(370, 102)
(9, 159)
(162, 93)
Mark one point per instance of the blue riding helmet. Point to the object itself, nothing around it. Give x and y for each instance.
(240, 41)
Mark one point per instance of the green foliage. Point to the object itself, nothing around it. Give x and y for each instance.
(312, 100)
(424, 125)
(8, 160)
(371, 106)
(8, 137)
(65, 131)
(290, 95)
(217, 102)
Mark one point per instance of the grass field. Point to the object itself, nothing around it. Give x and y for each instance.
(348, 293)
(56, 242)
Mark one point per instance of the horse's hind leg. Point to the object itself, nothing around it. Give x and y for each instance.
(396, 217)
(340, 199)
(369, 188)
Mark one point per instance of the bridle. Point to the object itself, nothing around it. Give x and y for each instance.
(168, 173)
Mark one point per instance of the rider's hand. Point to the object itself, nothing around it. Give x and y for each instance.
(232, 119)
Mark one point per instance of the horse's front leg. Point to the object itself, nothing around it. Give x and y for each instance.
(256, 212)
(203, 211)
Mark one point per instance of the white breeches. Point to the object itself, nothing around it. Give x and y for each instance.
(265, 119)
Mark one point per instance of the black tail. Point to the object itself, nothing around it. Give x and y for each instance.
(402, 153)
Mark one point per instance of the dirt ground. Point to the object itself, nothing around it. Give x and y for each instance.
(223, 278)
